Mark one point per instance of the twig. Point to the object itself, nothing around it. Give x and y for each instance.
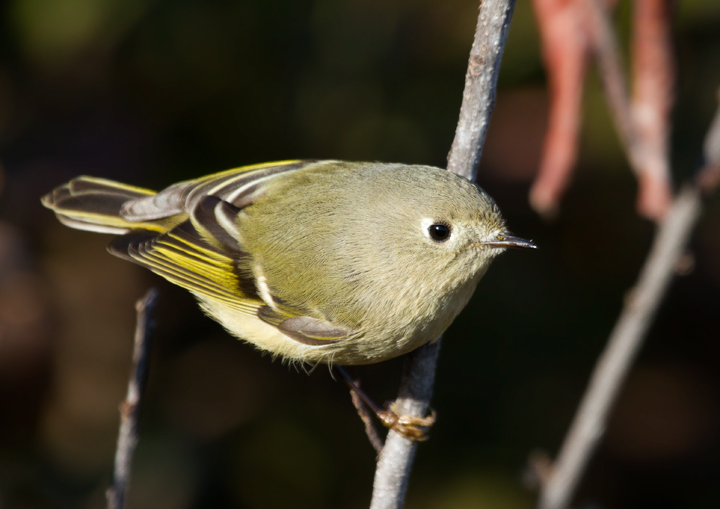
(395, 461)
(708, 178)
(605, 47)
(129, 409)
(367, 419)
(626, 339)
(416, 384)
(366, 409)
(480, 86)
(654, 193)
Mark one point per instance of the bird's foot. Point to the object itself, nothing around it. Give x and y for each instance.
(413, 428)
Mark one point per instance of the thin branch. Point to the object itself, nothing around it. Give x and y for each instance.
(129, 409)
(480, 86)
(605, 46)
(708, 178)
(625, 341)
(367, 418)
(395, 461)
(416, 384)
(627, 337)
(365, 407)
(654, 193)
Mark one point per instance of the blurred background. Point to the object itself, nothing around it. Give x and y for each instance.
(151, 92)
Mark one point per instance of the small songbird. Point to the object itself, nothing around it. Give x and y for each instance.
(312, 261)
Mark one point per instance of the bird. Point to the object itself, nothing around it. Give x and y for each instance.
(312, 261)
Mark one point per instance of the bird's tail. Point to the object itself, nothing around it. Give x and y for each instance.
(94, 204)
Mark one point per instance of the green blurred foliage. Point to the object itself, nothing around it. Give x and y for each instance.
(154, 91)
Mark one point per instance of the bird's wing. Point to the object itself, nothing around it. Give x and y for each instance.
(183, 257)
(237, 187)
(301, 327)
(205, 255)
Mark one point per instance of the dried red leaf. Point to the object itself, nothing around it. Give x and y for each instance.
(565, 48)
(570, 31)
(653, 94)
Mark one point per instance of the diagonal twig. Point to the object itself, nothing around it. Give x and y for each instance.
(416, 384)
(367, 419)
(708, 179)
(366, 409)
(627, 337)
(129, 409)
(655, 193)
(623, 346)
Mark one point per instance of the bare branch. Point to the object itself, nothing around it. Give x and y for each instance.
(627, 337)
(365, 407)
(395, 462)
(416, 385)
(129, 409)
(367, 418)
(708, 178)
(616, 90)
(625, 341)
(480, 85)
(654, 193)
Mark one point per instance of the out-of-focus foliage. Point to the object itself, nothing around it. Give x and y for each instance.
(154, 91)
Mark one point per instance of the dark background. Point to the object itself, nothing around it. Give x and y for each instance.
(155, 91)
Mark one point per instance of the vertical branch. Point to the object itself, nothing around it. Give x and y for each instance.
(480, 86)
(129, 409)
(395, 460)
(416, 386)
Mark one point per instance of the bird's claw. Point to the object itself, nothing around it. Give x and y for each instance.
(413, 428)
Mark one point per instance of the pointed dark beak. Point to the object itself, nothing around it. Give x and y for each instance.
(507, 241)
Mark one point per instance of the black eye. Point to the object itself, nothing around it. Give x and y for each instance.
(439, 232)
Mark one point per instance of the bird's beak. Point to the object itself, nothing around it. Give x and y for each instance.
(505, 241)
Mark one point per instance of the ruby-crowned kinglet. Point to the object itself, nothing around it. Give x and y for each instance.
(314, 261)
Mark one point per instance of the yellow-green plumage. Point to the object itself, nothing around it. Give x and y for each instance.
(312, 261)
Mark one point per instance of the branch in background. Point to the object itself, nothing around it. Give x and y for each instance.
(627, 337)
(416, 386)
(625, 341)
(604, 45)
(129, 409)
(708, 179)
(654, 194)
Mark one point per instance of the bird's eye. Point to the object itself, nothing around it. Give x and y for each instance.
(439, 232)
